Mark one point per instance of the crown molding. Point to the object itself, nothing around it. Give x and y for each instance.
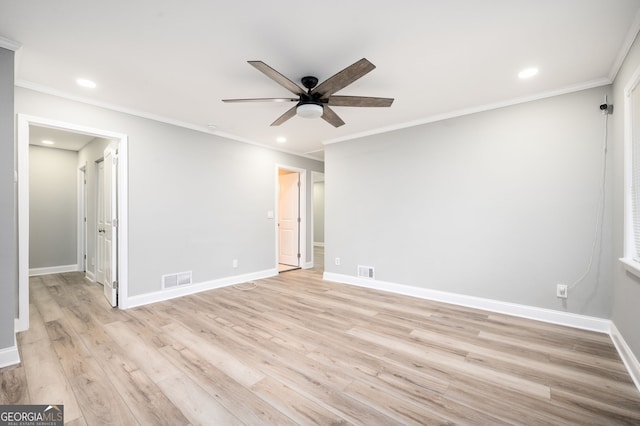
(25, 84)
(473, 110)
(626, 46)
(9, 44)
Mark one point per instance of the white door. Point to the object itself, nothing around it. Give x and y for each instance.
(100, 231)
(289, 219)
(110, 234)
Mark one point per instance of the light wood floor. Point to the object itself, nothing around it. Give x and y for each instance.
(297, 350)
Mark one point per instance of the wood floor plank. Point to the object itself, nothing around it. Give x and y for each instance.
(41, 298)
(295, 406)
(295, 349)
(232, 395)
(13, 386)
(145, 356)
(46, 378)
(222, 359)
(37, 330)
(144, 398)
(99, 400)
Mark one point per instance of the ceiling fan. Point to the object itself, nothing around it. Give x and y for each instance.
(316, 100)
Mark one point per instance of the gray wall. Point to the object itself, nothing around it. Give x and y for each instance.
(8, 224)
(53, 206)
(87, 157)
(499, 204)
(318, 212)
(196, 201)
(626, 287)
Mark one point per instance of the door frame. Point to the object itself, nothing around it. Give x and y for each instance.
(99, 199)
(82, 215)
(314, 174)
(24, 121)
(302, 235)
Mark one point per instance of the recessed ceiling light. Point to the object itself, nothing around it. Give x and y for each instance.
(281, 139)
(529, 72)
(46, 142)
(86, 83)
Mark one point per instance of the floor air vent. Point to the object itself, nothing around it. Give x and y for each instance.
(366, 272)
(175, 280)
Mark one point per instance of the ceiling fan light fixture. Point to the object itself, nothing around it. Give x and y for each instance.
(309, 110)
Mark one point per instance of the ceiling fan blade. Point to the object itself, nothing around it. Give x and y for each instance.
(344, 78)
(359, 101)
(277, 77)
(331, 117)
(263, 100)
(284, 117)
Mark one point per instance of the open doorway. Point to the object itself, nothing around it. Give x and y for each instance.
(26, 126)
(291, 223)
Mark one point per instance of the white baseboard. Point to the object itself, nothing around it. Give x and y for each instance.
(52, 270)
(9, 356)
(159, 296)
(629, 359)
(89, 275)
(540, 314)
(21, 324)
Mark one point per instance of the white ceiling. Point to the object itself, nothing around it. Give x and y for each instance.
(61, 139)
(175, 60)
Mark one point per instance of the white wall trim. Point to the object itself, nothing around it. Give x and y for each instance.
(9, 356)
(531, 312)
(9, 44)
(473, 110)
(20, 325)
(81, 217)
(628, 358)
(625, 47)
(25, 84)
(33, 272)
(159, 296)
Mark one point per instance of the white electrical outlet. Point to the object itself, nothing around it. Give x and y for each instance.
(337, 261)
(562, 291)
(235, 263)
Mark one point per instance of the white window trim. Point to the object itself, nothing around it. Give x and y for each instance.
(630, 259)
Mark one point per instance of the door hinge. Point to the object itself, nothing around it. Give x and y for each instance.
(299, 184)
(299, 220)
(115, 223)
(115, 285)
(298, 255)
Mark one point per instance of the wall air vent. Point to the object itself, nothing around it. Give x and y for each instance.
(175, 280)
(366, 272)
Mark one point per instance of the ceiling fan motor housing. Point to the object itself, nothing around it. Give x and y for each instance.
(309, 82)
